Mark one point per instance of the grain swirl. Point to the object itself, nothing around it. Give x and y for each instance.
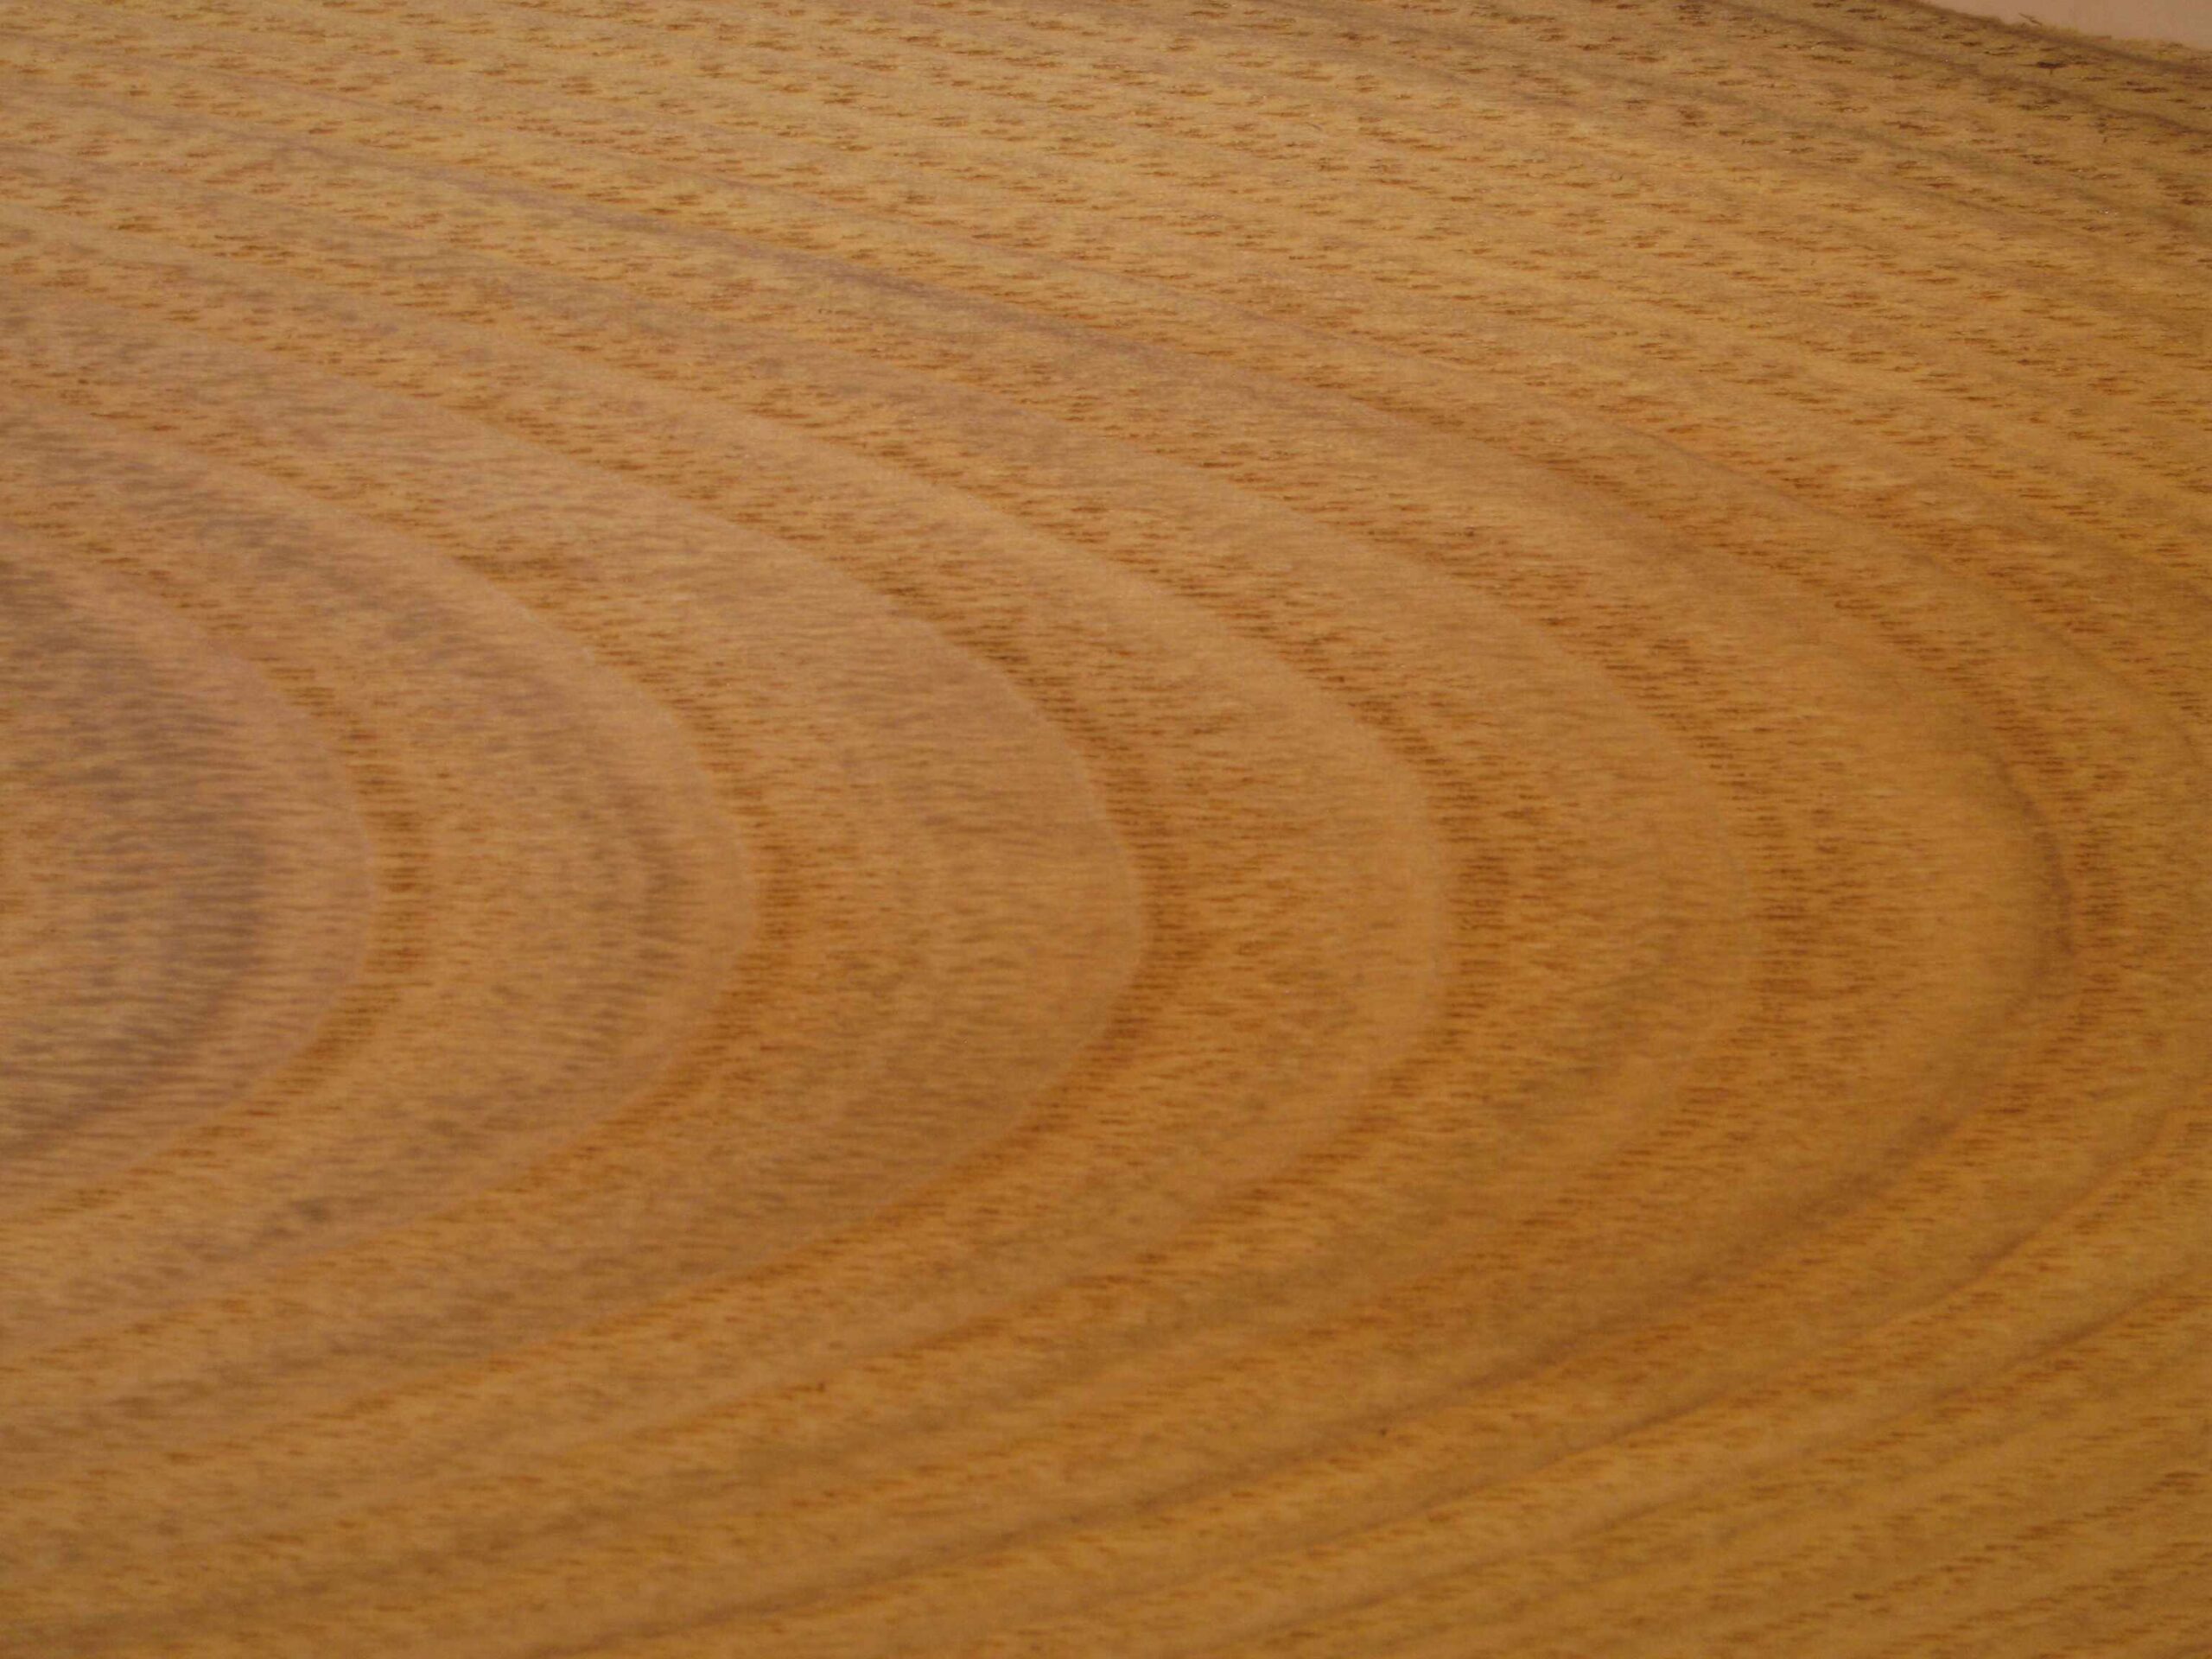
(851, 828)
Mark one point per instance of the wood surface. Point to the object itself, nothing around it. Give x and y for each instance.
(850, 830)
(2115, 20)
(2187, 22)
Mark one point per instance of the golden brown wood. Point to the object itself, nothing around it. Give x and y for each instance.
(846, 830)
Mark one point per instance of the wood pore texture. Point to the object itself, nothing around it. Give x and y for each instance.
(852, 830)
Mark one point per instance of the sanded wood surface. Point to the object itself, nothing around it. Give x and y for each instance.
(2187, 22)
(852, 830)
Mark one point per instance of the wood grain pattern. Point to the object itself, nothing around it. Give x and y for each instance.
(854, 828)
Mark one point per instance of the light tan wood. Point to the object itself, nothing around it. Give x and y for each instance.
(857, 831)
(2187, 22)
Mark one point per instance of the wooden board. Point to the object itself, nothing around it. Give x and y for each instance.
(851, 830)
(2187, 22)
